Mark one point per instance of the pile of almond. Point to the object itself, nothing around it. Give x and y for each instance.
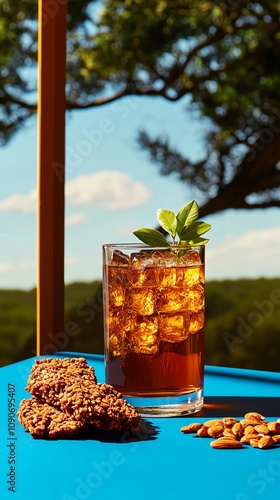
(229, 432)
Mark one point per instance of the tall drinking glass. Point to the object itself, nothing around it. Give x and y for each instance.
(154, 326)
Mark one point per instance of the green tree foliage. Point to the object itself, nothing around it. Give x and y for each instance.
(242, 323)
(18, 324)
(85, 312)
(223, 55)
(83, 322)
(18, 58)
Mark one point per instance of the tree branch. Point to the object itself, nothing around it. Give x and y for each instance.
(8, 98)
(256, 173)
(98, 102)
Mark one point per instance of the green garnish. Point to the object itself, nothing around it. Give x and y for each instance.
(184, 228)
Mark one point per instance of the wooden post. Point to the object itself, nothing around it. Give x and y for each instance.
(51, 160)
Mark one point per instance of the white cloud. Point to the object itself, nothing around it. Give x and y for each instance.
(253, 254)
(77, 218)
(17, 202)
(108, 189)
(6, 267)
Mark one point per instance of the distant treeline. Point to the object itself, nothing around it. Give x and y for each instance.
(242, 322)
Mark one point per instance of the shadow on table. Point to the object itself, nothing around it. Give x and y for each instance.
(235, 406)
(147, 432)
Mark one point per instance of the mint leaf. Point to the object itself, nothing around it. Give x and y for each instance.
(195, 242)
(186, 216)
(168, 221)
(151, 237)
(196, 229)
(184, 228)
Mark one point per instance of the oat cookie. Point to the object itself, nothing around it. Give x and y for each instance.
(45, 421)
(100, 405)
(68, 400)
(49, 376)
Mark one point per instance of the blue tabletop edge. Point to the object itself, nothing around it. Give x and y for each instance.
(209, 369)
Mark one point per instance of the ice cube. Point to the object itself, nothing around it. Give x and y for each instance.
(166, 277)
(167, 259)
(144, 325)
(173, 327)
(143, 277)
(117, 279)
(115, 345)
(114, 319)
(116, 296)
(143, 344)
(197, 321)
(171, 299)
(119, 325)
(141, 259)
(143, 337)
(115, 331)
(191, 258)
(188, 276)
(156, 256)
(142, 301)
(196, 297)
(117, 276)
(126, 321)
(120, 259)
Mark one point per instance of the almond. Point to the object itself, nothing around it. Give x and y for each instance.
(203, 431)
(216, 430)
(252, 415)
(250, 429)
(225, 443)
(266, 442)
(191, 428)
(248, 421)
(228, 432)
(254, 442)
(262, 429)
(274, 427)
(238, 429)
(229, 421)
(208, 423)
(247, 438)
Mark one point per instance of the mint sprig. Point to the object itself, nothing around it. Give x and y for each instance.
(184, 228)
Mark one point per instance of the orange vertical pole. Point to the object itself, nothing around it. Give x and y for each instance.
(51, 152)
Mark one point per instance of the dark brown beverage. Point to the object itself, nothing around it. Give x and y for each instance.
(154, 322)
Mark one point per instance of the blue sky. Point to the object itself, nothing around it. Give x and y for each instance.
(113, 189)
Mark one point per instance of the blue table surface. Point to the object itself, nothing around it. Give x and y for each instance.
(158, 462)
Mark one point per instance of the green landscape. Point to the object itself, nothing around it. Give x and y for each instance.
(242, 322)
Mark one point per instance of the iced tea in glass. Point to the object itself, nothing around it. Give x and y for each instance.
(154, 326)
